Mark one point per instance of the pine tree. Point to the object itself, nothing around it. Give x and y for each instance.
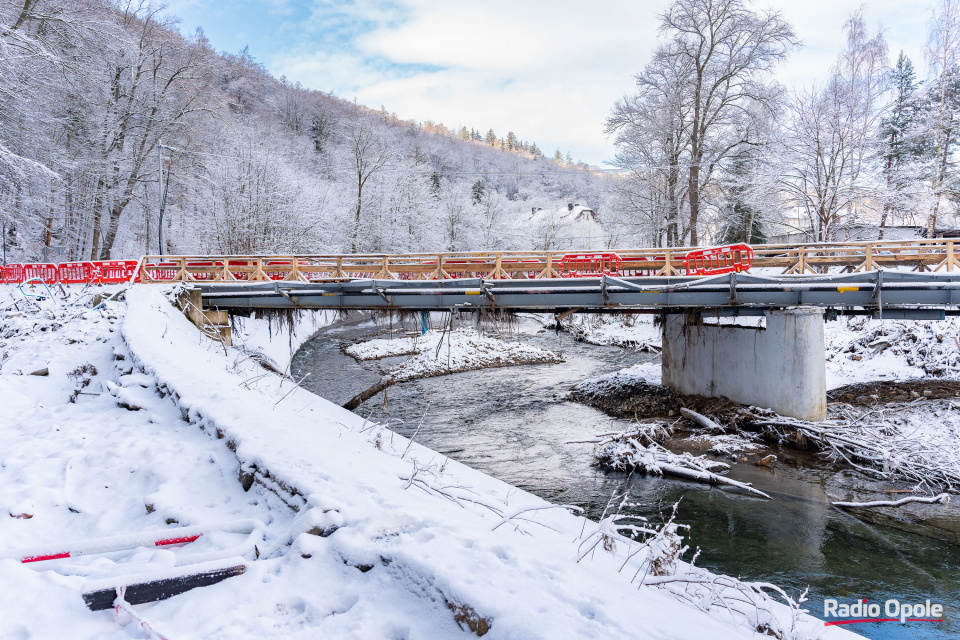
(895, 129)
(557, 157)
(491, 137)
(741, 223)
(464, 134)
(478, 190)
(511, 141)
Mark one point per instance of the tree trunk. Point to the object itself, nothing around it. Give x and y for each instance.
(97, 213)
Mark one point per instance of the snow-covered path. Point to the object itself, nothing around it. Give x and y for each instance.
(405, 544)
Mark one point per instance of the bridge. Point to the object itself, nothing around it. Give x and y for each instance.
(778, 363)
(848, 257)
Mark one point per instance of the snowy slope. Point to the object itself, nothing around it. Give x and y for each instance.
(413, 545)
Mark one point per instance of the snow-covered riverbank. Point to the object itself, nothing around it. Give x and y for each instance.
(410, 543)
(915, 441)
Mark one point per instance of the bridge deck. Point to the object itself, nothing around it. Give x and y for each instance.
(890, 294)
(918, 255)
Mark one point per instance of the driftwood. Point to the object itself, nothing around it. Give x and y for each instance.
(878, 450)
(363, 396)
(637, 449)
(942, 498)
(701, 419)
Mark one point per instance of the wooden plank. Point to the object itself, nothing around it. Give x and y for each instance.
(138, 593)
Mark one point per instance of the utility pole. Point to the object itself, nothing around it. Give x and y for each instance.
(161, 191)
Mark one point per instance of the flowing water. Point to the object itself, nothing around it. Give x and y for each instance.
(513, 423)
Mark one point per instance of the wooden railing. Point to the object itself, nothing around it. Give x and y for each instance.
(919, 255)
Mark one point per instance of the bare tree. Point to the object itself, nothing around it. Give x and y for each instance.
(368, 153)
(831, 135)
(943, 50)
(730, 51)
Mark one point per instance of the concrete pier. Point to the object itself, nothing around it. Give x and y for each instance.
(780, 367)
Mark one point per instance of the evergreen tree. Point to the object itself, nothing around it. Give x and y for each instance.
(557, 157)
(478, 190)
(895, 132)
(464, 134)
(741, 222)
(511, 141)
(491, 138)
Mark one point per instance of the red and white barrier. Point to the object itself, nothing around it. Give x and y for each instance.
(101, 272)
(586, 265)
(719, 260)
(159, 538)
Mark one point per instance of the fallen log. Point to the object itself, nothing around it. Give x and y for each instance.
(701, 419)
(363, 396)
(943, 498)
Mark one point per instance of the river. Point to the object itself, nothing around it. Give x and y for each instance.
(513, 423)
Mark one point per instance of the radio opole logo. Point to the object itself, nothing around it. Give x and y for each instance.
(892, 610)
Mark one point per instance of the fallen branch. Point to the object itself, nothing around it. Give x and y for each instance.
(701, 419)
(942, 498)
(637, 448)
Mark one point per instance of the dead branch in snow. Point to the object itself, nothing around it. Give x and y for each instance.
(636, 448)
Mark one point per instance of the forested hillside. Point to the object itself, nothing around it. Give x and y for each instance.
(93, 92)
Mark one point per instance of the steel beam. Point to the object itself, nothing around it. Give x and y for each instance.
(887, 294)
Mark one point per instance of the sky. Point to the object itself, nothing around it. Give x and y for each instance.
(548, 70)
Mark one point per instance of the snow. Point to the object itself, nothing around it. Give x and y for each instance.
(405, 542)
(864, 350)
(440, 352)
(275, 340)
(640, 334)
(648, 372)
(728, 443)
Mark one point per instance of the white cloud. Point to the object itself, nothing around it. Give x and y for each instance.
(549, 71)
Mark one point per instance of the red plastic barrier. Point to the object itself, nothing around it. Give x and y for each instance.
(12, 273)
(640, 271)
(116, 271)
(206, 263)
(161, 271)
(719, 260)
(42, 270)
(77, 272)
(586, 265)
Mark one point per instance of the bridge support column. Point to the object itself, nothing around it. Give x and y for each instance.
(781, 367)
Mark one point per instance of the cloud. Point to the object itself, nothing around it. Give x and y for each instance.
(547, 70)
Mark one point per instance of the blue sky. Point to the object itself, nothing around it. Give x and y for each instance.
(547, 70)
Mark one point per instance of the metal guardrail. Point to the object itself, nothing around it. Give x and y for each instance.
(849, 257)
(885, 294)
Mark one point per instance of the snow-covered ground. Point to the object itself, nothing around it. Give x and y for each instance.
(143, 424)
(633, 331)
(440, 352)
(902, 437)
